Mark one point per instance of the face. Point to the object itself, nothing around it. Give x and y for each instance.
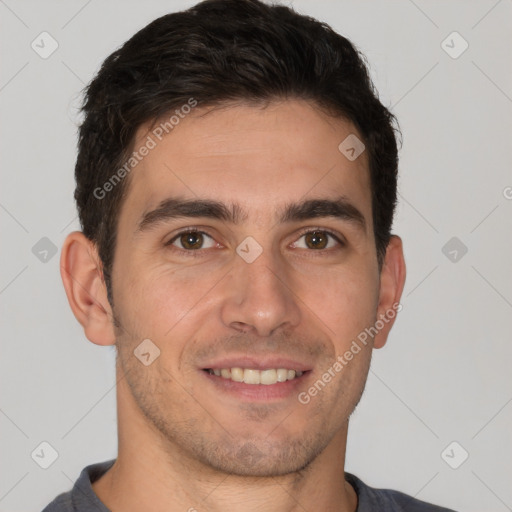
(245, 253)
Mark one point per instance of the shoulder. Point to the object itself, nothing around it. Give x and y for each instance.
(62, 503)
(387, 500)
(81, 498)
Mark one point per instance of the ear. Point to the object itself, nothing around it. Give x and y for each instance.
(82, 275)
(392, 280)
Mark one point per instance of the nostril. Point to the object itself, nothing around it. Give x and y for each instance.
(242, 327)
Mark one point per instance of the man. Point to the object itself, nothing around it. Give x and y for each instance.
(236, 184)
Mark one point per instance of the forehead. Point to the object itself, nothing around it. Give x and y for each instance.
(258, 157)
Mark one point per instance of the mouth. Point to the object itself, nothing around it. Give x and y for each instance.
(254, 376)
(256, 379)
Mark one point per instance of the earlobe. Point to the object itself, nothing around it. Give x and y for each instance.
(392, 280)
(81, 273)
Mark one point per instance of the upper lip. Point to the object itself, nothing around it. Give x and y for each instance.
(256, 363)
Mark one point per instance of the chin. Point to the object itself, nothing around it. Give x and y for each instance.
(261, 458)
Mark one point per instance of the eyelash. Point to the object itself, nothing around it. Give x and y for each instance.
(200, 252)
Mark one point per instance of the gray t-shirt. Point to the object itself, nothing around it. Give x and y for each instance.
(83, 499)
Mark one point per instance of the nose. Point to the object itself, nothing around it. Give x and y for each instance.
(259, 296)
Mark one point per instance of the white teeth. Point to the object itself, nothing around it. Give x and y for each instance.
(268, 376)
(237, 374)
(282, 375)
(251, 376)
(226, 373)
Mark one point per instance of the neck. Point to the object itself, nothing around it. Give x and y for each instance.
(153, 474)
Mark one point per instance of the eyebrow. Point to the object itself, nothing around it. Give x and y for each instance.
(175, 208)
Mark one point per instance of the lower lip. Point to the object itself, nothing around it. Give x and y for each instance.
(258, 392)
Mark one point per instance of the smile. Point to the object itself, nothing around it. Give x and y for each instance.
(252, 376)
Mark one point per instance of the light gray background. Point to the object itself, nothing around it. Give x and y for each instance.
(445, 374)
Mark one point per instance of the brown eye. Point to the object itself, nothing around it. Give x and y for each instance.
(318, 240)
(192, 241)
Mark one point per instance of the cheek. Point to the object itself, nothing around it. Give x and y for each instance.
(344, 299)
(158, 297)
